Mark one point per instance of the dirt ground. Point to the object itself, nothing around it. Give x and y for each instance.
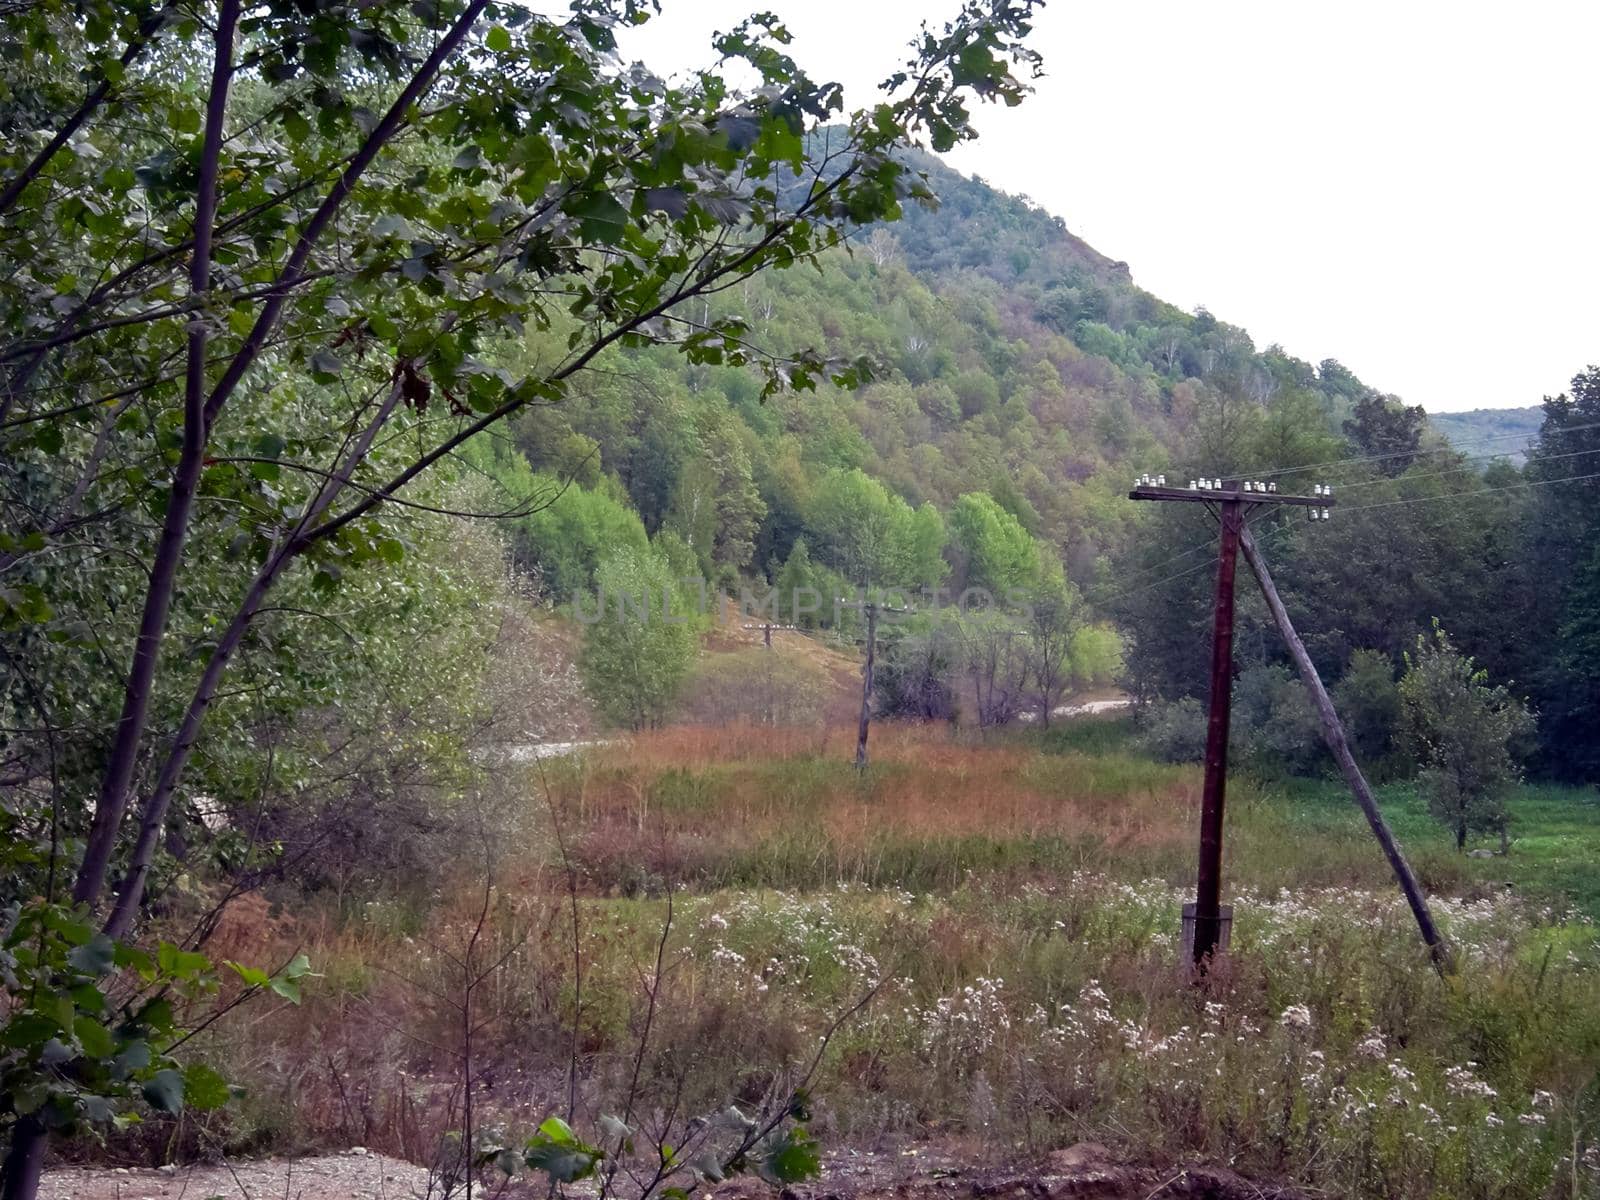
(348, 1176)
(927, 1173)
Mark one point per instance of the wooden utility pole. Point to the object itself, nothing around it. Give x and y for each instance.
(872, 608)
(1208, 912)
(1333, 734)
(1207, 922)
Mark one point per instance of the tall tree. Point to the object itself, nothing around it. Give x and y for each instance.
(863, 530)
(1054, 617)
(640, 640)
(1386, 431)
(1561, 547)
(1000, 554)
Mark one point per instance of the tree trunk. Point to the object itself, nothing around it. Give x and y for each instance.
(131, 724)
(24, 1161)
(154, 814)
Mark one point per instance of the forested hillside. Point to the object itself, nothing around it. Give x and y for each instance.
(1007, 356)
(1018, 381)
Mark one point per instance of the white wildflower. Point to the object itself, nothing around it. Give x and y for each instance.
(1296, 1016)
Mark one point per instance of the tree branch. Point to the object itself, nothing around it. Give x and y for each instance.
(294, 268)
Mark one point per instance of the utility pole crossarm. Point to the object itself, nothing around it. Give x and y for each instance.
(1156, 492)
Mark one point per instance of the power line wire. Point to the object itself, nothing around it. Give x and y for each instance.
(1265, 537)
(1260, 473)
(1510, 487)
(1406, 478)
(1272, 533)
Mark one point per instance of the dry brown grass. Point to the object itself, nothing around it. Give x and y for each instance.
(740, 804)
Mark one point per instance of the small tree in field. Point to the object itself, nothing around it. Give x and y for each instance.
(1054, 620)
(1464, 734)
(641, 645)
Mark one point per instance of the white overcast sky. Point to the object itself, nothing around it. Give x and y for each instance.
(1408, 186)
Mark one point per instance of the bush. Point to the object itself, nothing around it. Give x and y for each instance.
(1274, 725)
(1368, 702)
(915, 673)
(1174, 731)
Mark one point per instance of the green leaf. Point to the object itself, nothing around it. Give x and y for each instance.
(601, 216)
(296, 125)
(94, 1037)
(269, 445)
(180, 963)
(95, 957)
(163, 1091)
(670, 200)
(793, 1158)
(203, 1088)
(28, 1028)
(563, 1165)
(135, 1056)
(286, 982)
(558, 1131)
(498, 39)
(253, 976)
(560, 1153)
(88, 998)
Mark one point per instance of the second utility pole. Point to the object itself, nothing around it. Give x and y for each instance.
(872, 608)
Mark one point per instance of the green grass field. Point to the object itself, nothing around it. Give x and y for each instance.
(1555, 852)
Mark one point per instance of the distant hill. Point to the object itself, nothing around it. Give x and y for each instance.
(1491, 430)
